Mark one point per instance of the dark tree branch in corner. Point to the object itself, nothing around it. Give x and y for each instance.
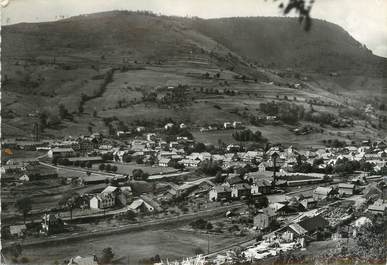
(302, 8)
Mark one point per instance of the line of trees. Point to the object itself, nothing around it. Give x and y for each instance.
(24, 206)
(287, 112)
(292, 113)
(342, 167)
(70, 201)
(108, 78)
(67, 162)
(249, 136)
(108, 168)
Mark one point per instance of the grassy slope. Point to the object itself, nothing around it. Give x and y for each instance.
(64, 57)
(283, 42)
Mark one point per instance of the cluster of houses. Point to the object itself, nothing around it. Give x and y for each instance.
(251, 175)
(122, 198)
(19, 171)
(285, 162)
(370, 199)
(50, 224)
(151, 148)
(226, 125)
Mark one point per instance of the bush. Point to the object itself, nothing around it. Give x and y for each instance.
(24, 260)
(107, 157)
(107, 255)
(209, 167)
(198, 251)
(201, 224)
(138, 174)
(150, 261)
(248, 136)
(234, 228)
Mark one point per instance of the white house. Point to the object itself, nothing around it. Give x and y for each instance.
(151, 136)
(379, 207)
(189, 162)
(346, 188)
(106, 199)
(60, 152)
(89, 260)
(240, 190)
(255, 190)
(227, 125)
(163, 162)
(17, 230)
(323, 193)
(102, 201)
(140, 206)
(168, 126)
(183, 126)
(24, 178)
(237, 124)
(264, 218)
(219, 193)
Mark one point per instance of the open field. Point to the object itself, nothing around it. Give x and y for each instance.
(284, 134)
(204, 109)
(22, 154)
(128, 168)
(132, 246)
(44, 193)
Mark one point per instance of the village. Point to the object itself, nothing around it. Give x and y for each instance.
(275, 199)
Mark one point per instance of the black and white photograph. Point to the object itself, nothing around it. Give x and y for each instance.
(193, 132)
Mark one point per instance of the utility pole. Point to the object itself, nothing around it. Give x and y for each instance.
(208, 239)
(36, 131)
(274, 157)
(208, 242)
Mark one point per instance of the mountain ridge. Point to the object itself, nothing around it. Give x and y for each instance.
(284, 42)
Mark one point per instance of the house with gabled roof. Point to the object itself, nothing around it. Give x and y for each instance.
(102, 201)
(17, 230)
(232, 179)
(144, 204)
(297, 230)
(51, 224)
(190, 163)
(324, 193)
(378, 208)
(372, 191)
(164, 162)
(346, 188)
(240, 190)
(60, 152)
(219, 193)
(265, 186)
(313, 223)
(88, 260)
(140, 206)
(309, 203)
(108, 198)
(264, 218)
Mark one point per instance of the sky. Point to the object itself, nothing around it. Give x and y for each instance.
(365, 20)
